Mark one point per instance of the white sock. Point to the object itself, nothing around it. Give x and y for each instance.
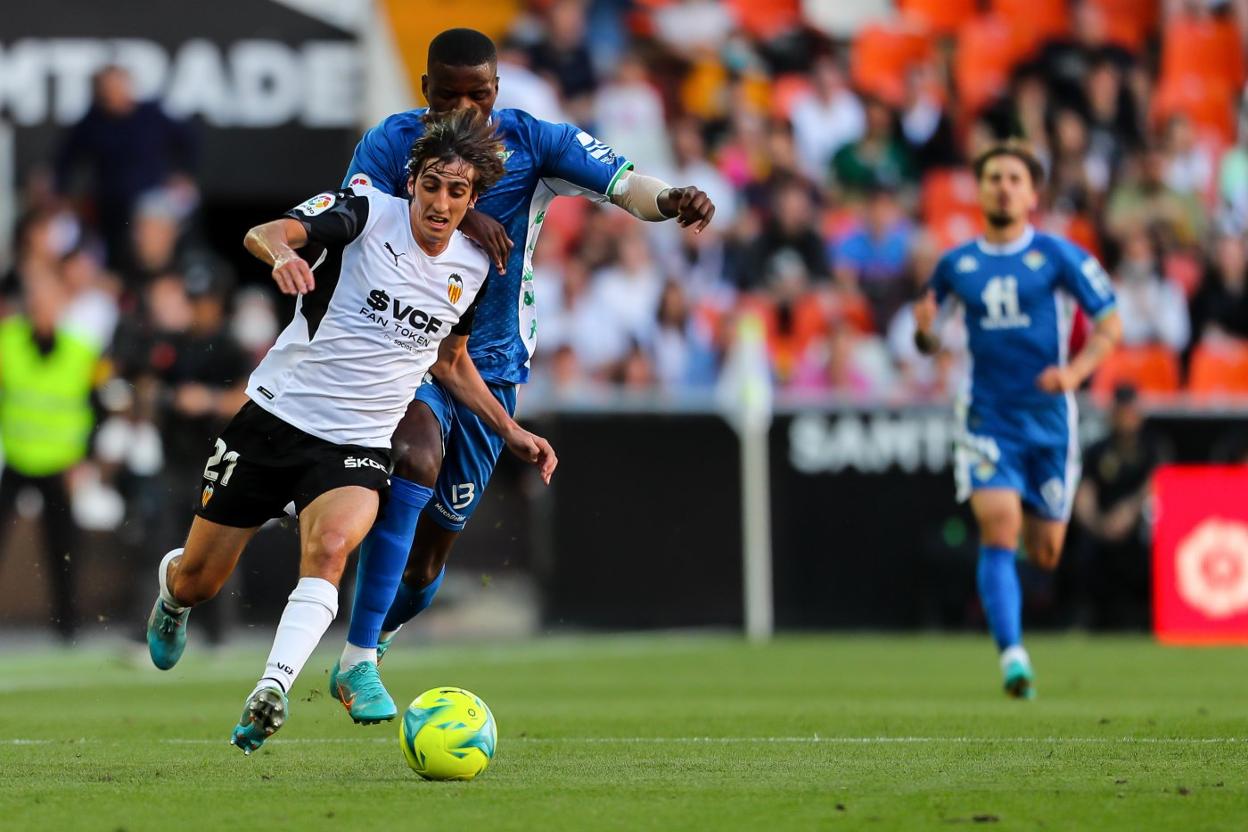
(1015, 653)
(308, 614)
(162, 575)
(352, 655)
(385, 634)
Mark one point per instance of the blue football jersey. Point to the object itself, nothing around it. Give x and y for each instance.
(1018, 301)
(543, 160)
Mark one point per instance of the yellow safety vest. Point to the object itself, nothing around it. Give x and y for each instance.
(45, 407)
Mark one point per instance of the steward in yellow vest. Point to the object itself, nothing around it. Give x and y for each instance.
(47, 371)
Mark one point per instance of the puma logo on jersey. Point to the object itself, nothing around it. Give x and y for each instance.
(395, 254)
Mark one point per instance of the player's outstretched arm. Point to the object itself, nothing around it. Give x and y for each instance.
(274, 243)
(925, 312)
(653, 200)
(1105, 336)
(456, 372)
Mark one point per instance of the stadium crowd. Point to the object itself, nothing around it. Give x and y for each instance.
(838, 167)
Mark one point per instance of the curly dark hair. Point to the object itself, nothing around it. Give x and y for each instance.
(464, 135)
(1017, 148)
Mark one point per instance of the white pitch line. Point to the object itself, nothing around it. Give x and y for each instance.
(715, 740)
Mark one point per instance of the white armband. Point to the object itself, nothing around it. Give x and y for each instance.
(638, 194)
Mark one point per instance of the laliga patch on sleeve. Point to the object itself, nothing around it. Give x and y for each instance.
(360, 179)
(596, 149)
(318, 204)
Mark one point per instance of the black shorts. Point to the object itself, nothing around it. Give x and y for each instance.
(261, 464)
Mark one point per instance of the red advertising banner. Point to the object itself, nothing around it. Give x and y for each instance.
(1200, 555)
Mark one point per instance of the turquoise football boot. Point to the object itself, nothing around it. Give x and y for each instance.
(1019, 680)
(263, 713)
(166, 635)
(363, 695)
(382, 646)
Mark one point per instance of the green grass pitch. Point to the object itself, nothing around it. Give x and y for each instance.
(650, 733)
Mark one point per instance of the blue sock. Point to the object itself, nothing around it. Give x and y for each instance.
(383, 557)
(1001, 595)
(408, 603)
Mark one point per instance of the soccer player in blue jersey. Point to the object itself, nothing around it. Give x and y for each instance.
(444, 454)
(1017, 455)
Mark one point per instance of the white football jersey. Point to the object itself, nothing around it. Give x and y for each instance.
(347, 365)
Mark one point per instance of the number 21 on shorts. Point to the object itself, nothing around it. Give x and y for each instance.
(230, 458)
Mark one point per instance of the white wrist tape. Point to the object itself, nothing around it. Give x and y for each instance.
(638, 194)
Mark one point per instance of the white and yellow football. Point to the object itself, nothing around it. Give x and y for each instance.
(448, 734)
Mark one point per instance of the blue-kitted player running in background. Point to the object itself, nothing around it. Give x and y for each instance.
(444, 454)
(1018, 453)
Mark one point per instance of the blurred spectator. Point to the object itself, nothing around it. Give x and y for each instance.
(521, 88)
(845, 363)
(1233, 180)
(91, 295)
(604, 313)
(878, 159)
(925, 123)
(919, 375)
(826, 118)
(1067, 61)
(564, 54)
(1189, 165)
(699, 260)
(628, 113)
(681, 347)
(1113, 559)
(1023, 111)
(690, 27)
(788, 238)
(742, 156)
(874, 256)
(191, 374)
(1114, 122)
(254, 325)
(1153, 307)
(634, 371)
(692, 165)
(1220, 305)
(1078, 179)
(47, 371)
(131, 148)
(1144, 201)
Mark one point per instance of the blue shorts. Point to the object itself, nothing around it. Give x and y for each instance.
(469, 453)
(1045, 475)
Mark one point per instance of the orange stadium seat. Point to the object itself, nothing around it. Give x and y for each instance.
(1129, 22)
(1151, 369)
(784, 91)
(950, 207)
(940, 17)
(987, 51)
(1209, 49)
(881, 54)
(1219, 370)
(765, 19)
(1034, 21)
(1208, 102)
(1185, 269)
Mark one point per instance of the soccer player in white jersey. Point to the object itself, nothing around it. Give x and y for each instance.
(444, 455)
(1017, 458)
(394, 301)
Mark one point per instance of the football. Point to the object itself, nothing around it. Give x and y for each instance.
(448, 734)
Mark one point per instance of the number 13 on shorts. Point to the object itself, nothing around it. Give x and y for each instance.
(462, 495)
